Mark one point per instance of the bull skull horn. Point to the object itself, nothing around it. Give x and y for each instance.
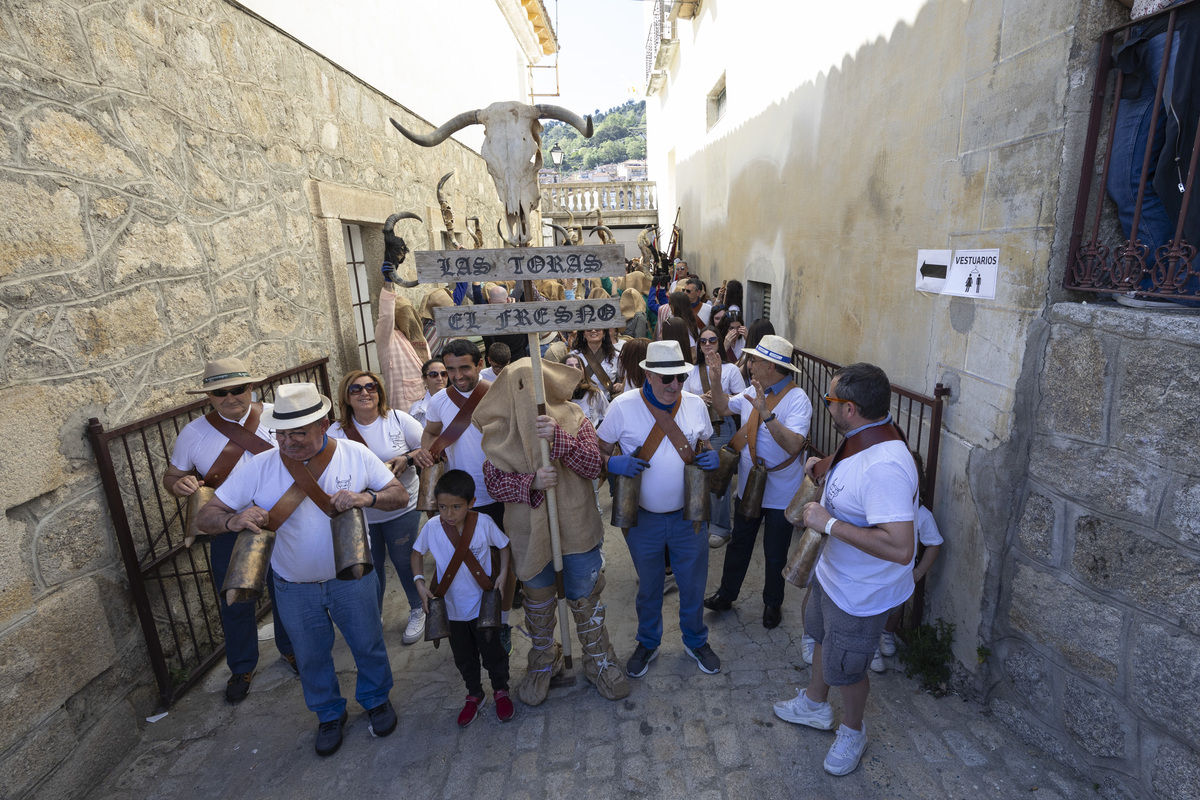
(445, 131)
(604, 232)
(390, 224)
(504, 238)
(559, 229)
(547, 111)
(441, 183)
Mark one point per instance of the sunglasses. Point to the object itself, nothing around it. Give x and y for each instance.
(829, 400)
(231, 390)
(667, 380)
(359, 388)
(708, 340)
(435, 374)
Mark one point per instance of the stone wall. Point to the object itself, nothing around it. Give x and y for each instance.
(173, 180)
(1097, 643)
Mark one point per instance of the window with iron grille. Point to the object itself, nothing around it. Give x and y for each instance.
(360, 298)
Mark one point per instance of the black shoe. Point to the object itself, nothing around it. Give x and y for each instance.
(772, 616)
(715, 602)
(383, 719)
(639, 662)
(238, 686)
(329, 736)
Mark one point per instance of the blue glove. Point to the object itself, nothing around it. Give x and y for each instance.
(389, 272)
(629, 466)
(708, 460)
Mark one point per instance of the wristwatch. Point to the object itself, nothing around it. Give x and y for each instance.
(374, 497)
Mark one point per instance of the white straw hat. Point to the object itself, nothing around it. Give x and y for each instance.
(296, 405)
(223, 373)
(777, 350)
(665, 358)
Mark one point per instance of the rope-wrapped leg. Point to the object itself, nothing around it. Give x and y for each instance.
(545, 654)
(599, 658)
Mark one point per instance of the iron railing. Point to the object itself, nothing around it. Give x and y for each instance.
(654, 38)
(1107, 261)
(919, 416)
(171, 584)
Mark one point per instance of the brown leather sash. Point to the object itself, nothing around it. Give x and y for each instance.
(352, 432)
(596, 368)
(665, 425)
(305, 485)
(857, 443)
(466, 406)
(747, 436)
(462, 555)
(241, 438)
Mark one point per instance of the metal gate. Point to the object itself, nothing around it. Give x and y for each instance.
(171, 585)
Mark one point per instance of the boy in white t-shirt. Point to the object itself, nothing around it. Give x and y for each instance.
(455, 494)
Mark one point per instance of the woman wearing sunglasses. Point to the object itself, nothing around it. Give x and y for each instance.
(433, 373)
(713, 366)
(395, 437)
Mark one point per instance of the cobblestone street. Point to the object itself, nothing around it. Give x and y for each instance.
(680, 734)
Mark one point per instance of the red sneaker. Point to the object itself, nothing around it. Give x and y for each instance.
(471, 710)
(504, 706)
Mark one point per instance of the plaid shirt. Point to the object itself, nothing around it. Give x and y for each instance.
(399, 362)
(579, 453)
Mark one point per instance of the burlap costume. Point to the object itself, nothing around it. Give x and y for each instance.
(507, 418)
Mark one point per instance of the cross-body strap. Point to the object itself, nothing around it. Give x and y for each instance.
(665, 425)
(352, 432)
(748, 435)
(240, 439)
(596, 368)
(466, 406)
(301, 474)
(857, 443)
(462, 556)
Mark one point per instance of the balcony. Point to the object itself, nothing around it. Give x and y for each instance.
(622, 203)
(1106, 256)
(661, 45)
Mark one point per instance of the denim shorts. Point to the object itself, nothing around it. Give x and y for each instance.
(847, 642)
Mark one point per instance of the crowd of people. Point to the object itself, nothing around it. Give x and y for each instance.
(647, 408)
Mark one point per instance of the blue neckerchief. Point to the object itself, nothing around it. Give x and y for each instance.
(649, 395)
(324, 444)
(779, 387)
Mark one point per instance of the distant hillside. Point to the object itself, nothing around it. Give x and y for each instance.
(613, 141)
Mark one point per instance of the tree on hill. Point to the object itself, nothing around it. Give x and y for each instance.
(614, 138)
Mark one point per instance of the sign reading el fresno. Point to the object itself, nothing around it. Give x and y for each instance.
(546, 315)
(521, 264)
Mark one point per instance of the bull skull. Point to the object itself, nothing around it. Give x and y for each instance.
(512, 149)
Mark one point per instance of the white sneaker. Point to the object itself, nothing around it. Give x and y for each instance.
(807, 643)
(416, 626)
(887, 643)
(669, 584)
(715, 541)
(877, 662)
(847, 751)
(803, 711)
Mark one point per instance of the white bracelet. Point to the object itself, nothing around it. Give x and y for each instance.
(418, 577)
(829, 525)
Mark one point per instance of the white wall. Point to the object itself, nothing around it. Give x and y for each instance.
(396, 45)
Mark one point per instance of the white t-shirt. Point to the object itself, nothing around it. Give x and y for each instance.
(875, 486)
(594, 407)
(417, 411)
(463, 595)
(731, 380)
(467, 451)
(389, 437)
(303, 544)
(629, 422)
(487, 374)
(927, 529)
(199, 443)
(795, 412)
(611, 367)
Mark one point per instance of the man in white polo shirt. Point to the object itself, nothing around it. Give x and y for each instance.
(868, 505)
(311, 597)
(776, 415)
(666, 427)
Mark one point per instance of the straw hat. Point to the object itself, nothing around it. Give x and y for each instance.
(665, 358)
(632, 304)
(222, 373)
(777, 350)
(296, 405)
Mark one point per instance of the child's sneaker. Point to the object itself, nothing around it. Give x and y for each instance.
(504, 706)
(887, 643)
(877, 662)
(807, 644)
(847, 751)
(471, 710)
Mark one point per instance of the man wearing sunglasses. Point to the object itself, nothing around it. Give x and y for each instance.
(667, 428)
(777, 415)
(206, 451)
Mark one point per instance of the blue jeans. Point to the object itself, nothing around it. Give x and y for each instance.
(1129, 149)
(395, 538)
(776, 538)
(580, 572)
(239, 621)
(310, 610)
(648, 542)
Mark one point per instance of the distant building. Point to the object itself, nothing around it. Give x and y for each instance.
(632, 170)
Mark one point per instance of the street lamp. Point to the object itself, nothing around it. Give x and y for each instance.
(556, 155)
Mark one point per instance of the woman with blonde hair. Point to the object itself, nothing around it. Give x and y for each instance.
(394, 436)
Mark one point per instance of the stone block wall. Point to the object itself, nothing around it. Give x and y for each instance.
(173, 178)
(1098, 635)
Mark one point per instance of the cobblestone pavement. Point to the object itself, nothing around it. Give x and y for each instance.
(680, 733)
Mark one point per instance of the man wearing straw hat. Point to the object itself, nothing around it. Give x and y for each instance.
(294, 490)
(777, 414)
(204, 455)
(667, 428)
